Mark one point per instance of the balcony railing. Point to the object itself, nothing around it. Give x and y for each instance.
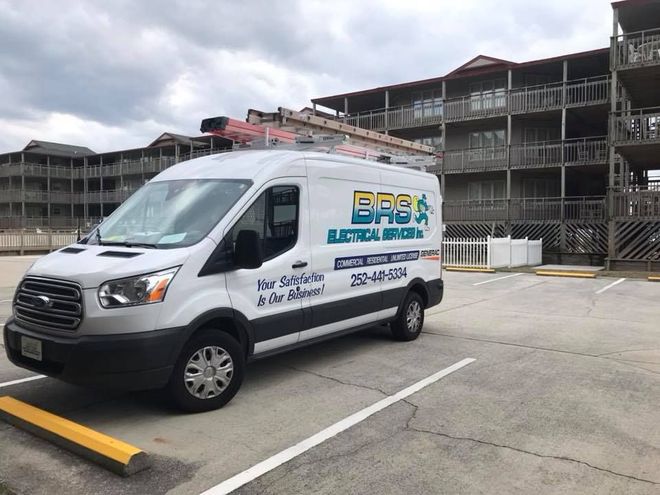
(636, 49)
(34, 170)
(401, 117)
(578, 92)
(586, 151)
(636, 202)
(535, 155)
(474, 160)
(580, 208)
(636, 126)
(577, 151)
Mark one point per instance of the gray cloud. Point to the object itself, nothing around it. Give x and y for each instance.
(131, 69)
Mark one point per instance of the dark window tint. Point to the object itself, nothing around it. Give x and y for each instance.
(274, 217)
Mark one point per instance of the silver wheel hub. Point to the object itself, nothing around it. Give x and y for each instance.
(414, 316)
(208, 372)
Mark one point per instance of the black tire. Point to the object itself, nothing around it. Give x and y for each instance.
(409, 322)
(214, 350)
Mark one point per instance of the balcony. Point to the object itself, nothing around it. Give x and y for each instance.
(402, 117)
(474, 160)
(638, 49)
(638, 126)
(570, 209)
(34, 170)
(575, 93)
(576, 152)
(639, 203)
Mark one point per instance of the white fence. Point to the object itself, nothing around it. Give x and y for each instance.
(491, 252)
(24, 241)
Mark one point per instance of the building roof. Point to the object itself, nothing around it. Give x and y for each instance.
(638, 15)
(57, 149)
(168, 138)
(481, 64)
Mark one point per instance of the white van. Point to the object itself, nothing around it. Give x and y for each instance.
(227, 258)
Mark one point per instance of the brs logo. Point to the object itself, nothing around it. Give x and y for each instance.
(371, 207)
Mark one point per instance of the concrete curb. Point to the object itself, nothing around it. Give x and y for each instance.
(117, 456)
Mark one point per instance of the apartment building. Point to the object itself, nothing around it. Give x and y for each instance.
(60, 186)
(562, 149)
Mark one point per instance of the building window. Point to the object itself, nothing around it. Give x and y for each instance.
(485, 95)
(538, 134)
(486, 190)
(487, 139)
(434, 141)
(57, 211)
(541, 188)
(427, 104)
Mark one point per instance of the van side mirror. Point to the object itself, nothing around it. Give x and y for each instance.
(248, 250)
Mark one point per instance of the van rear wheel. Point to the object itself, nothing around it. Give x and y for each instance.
(410, 320)
(208, 373)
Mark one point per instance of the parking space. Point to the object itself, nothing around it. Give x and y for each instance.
(562, 398)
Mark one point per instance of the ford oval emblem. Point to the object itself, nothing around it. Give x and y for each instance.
(41, 302)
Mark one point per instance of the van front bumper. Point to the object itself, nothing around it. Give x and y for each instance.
(134, 361)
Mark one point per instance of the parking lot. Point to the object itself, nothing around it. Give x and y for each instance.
(563, 397)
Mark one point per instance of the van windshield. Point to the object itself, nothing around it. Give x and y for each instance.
(170, 214)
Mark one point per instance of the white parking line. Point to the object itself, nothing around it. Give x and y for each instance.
(22, 380)
(610, 286)
(499, 278)
(280, 458)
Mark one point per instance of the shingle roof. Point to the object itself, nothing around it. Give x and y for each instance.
(57, 149)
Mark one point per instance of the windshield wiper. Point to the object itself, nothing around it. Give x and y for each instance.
(130, 244)
(98, 237)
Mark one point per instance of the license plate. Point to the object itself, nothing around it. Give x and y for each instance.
(31, 348)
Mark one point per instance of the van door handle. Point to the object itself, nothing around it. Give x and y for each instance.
(299, 264)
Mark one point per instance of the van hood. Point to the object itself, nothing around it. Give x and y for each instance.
(92, 265)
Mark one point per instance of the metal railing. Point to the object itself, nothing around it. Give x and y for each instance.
(474, 160)
(476, 106)
(576, 208)
(586, 151)
(22, 241)
(535, 155)
(399, 117)
(56, 222)
(636, 49)
(636, 126)
(576, 151)
(636, 202)
(577, 92)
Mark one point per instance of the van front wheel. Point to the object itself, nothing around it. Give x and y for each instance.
(208, 373)
(408, 324)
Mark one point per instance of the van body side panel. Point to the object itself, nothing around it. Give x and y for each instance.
(338, 234)
(418, 201)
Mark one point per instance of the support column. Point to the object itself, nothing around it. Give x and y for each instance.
(345, 106)
(101, 184)
(71, 188)
(387, 106)
(611, 226)
(509, 125)
(142, 164)
(23, 188)
(562, 224)
(313, 112)
(85, 192)
(48, 187)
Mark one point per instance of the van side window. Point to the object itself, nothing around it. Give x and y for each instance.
(274, 217)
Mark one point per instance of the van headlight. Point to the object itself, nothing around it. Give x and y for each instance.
(143, 289)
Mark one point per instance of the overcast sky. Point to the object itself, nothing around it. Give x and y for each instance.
(116, 74)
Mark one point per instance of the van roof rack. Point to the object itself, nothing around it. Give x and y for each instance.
(253, 136)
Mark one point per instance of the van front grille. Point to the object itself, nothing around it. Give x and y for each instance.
(48, 303)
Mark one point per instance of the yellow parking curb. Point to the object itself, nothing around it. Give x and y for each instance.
(113, 454)
(654, 278)
(552, 273)
(468, 269)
